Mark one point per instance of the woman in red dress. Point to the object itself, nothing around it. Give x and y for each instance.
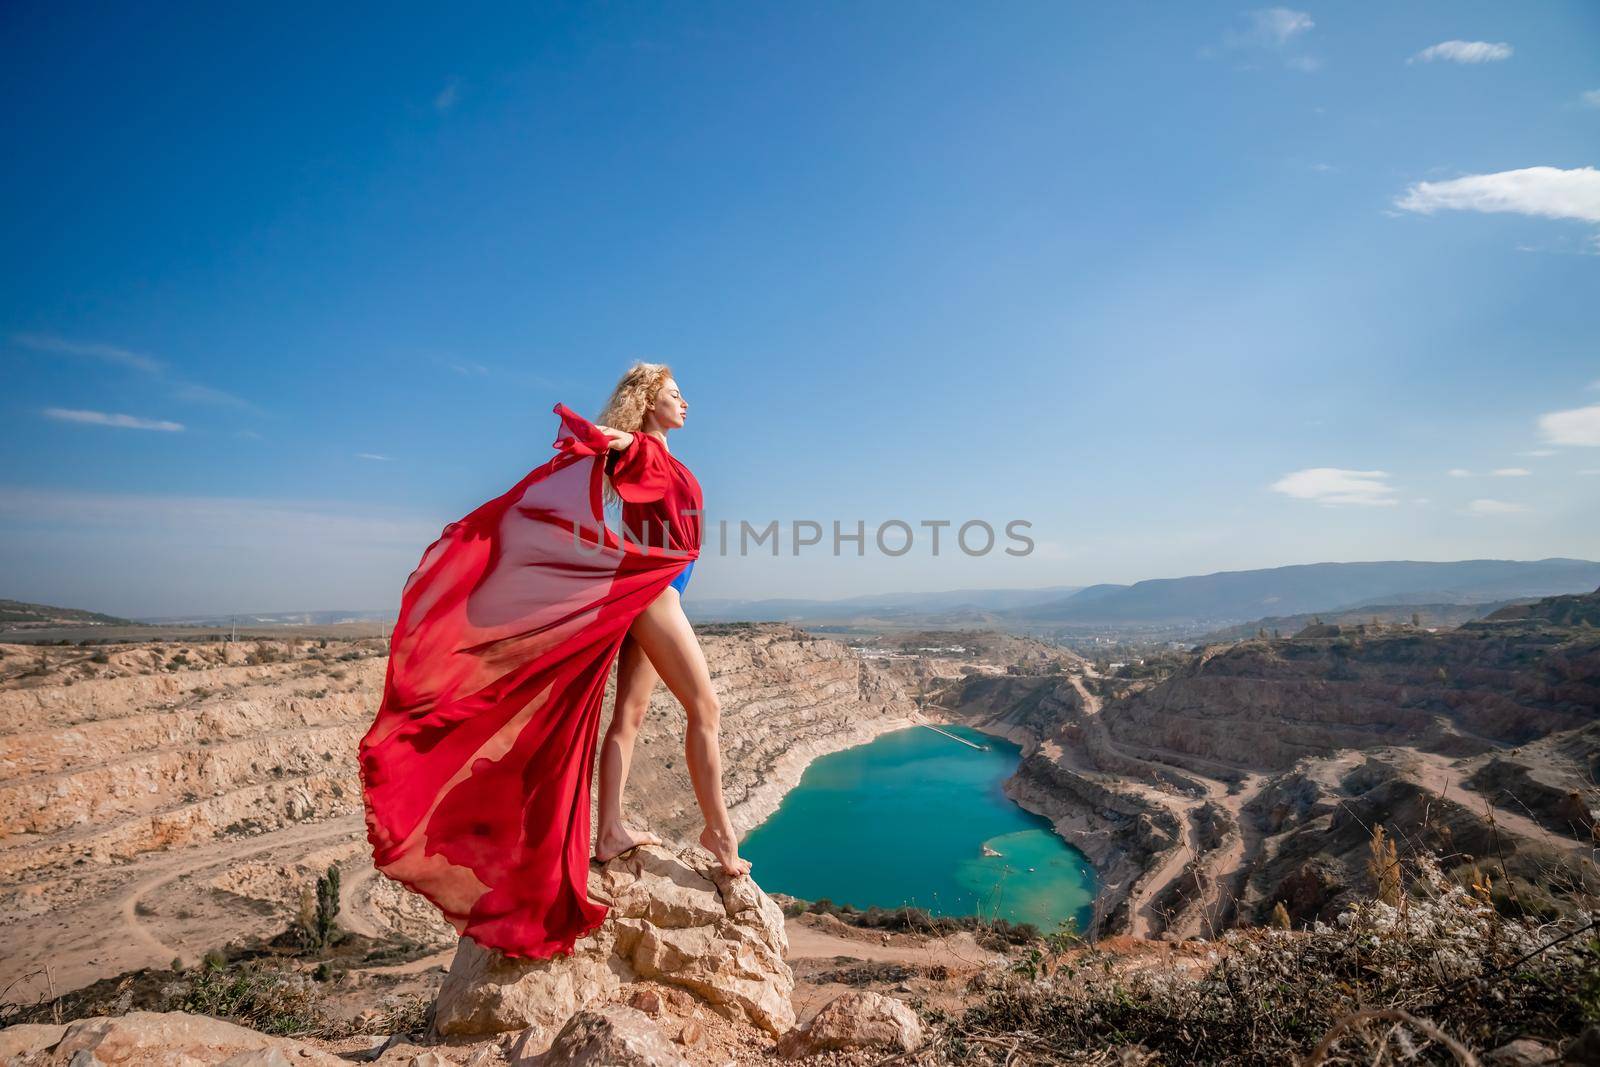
(475, 773)
(660, 643)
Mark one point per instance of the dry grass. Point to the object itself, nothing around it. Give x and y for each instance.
(1427, 981)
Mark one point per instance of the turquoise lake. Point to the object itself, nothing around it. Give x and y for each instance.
(903, 820)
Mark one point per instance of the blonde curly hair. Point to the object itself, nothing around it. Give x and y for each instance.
(635, 393)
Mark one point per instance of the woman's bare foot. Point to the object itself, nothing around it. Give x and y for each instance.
(615, 840)
(725, 847)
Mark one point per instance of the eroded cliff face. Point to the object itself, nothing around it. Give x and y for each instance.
(160, 799)
(1256, 773)
(1462, 692)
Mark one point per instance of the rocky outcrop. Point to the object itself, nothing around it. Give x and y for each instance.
(170, 1038)
(858, 1019)
(674, 919)
(613, 1036)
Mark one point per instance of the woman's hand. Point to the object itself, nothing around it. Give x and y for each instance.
(620, 439)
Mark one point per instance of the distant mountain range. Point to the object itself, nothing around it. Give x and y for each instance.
(1236, 596)
(1224, 599)
(976, 604)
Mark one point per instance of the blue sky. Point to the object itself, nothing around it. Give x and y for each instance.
(1187, 287)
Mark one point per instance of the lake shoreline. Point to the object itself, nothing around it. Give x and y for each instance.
(938, 800)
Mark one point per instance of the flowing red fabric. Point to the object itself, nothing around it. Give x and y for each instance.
(475, 775)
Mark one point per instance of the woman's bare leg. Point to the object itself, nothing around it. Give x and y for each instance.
(635, 679)
(663, 631)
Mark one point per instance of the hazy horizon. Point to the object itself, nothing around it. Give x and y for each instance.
(700, 601)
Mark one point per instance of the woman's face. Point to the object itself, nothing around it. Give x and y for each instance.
(670, 408)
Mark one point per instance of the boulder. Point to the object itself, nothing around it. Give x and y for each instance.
(675, 918)
(1523, 1052)
(612, 1036)
(858, 1019)
(170, 1038)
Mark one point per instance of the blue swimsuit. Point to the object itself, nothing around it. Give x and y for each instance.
(681, 582)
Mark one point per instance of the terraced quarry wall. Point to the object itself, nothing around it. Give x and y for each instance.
(159, 799)
(1256, 773)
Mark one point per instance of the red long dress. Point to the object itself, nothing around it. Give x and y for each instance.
(475, 774)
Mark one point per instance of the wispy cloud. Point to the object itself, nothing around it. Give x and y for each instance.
(373, 455)
(1459, 472)
(102, 418)
(1269, 27)
(1578, 426)
(447, 97)
(1494, 507)
(182, 390)
(1511, 472)
(1463, 52)
(1335, 487)
(1271, 30)
(1548, 192)
(468, 367)
(1591, 98)
(1538, 452)
(205, 394)
(45, 342)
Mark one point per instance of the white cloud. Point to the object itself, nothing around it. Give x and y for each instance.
(1511, 472)
(1538, 452)
(1457, 472)
(1548, 192)
(1591, 98)
(1333, 487)
(42, 342)
(373, 455)
(1273, 29)
(1590, 471)
(1463, 52)
(1494, 507)
(1270, 26)
(1579, 426)
(101, 418)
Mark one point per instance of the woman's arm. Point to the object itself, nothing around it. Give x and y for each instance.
(620, 439)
